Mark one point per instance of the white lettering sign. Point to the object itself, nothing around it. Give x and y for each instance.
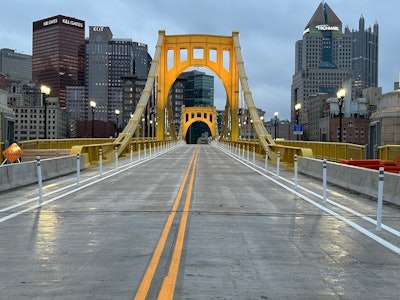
(49, 22)
(98, 28)
(72, 23)
(326, 27)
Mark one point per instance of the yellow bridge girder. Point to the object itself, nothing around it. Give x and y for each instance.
(206, 115)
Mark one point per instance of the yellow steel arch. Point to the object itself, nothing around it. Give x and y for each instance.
(180, 52)
(191, 115)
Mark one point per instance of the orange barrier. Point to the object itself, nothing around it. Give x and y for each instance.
(388, 165)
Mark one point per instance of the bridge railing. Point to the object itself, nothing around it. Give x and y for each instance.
(389, 152)
(62, 143)
(330, 151)
(286, 152)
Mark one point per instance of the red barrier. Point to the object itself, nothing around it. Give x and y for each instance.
(389, 166)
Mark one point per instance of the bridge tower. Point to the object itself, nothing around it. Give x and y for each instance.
(181, 52)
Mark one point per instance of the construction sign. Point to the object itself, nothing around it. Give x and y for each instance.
(13, 153)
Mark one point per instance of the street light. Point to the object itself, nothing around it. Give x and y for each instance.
(340, 96)
(251, 129)
(45, 90)
(297, 108)
(93, 106)
(143, 119)
(116, 116)
(275, 121)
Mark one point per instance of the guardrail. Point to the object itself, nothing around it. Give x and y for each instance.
(286, 152)
(389, 152)
(330, 151)
(19, 174)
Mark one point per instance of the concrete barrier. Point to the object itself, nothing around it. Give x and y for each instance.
(20, 174)
(362, 180)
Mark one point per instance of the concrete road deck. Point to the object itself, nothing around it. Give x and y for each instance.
(246, 236)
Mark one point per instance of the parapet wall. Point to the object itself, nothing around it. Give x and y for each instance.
(362, 180)
(20, 174)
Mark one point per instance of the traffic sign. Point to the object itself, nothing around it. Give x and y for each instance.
(13, 153)
(298, 129)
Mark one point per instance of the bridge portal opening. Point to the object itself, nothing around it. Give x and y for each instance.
(197, 133)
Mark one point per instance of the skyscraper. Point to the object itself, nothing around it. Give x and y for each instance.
(323, 58)
(58, 54)
(15, 65)
(107, 61)
(365, 57)
(199, 89)
(326, 56)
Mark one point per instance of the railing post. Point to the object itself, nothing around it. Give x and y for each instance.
(116, 157)
(144, 147)
(266, 161)
(101, 161)
(254, 156)
(149, 149)
(295, 170)
(78, 169)
(39, 174)
(248, 150)
(380, 199)
(139, 152)
(131, 152)
(278, 162)
(324, 181)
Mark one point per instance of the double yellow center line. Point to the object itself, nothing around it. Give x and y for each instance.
(168, 285)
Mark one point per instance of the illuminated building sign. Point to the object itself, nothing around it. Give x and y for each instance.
(64, 21)
(98, 28)
(72, 23)
(326, 27)
(322, 27)
(50, 22)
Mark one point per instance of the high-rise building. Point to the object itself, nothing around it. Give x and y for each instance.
(365, 57)
(108, 61)
(325, 57)
(199, 89)
(58, 54)
(17, 66)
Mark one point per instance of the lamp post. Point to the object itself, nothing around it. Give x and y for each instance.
(151, 128)
(275, 121)
(116, 117)
(245, 129)
(340, 96)
(297, 108)
(93, 106)
(45, 90)
(251, 129)
(143, 119)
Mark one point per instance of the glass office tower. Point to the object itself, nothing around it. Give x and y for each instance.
(58, 54)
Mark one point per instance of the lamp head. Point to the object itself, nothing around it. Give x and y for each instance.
(92, 104)
(341, 93)
(44, 89)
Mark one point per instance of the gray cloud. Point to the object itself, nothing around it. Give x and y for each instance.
(268, 32)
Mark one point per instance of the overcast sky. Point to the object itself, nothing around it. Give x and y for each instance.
(268, 31)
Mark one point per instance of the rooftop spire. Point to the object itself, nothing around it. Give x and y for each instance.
(324, 15)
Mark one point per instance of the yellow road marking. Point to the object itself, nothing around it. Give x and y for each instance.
(168, 286)
(151, 269)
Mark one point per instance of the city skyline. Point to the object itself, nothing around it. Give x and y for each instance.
(268, 34)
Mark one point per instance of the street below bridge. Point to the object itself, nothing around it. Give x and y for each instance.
(195, 222)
